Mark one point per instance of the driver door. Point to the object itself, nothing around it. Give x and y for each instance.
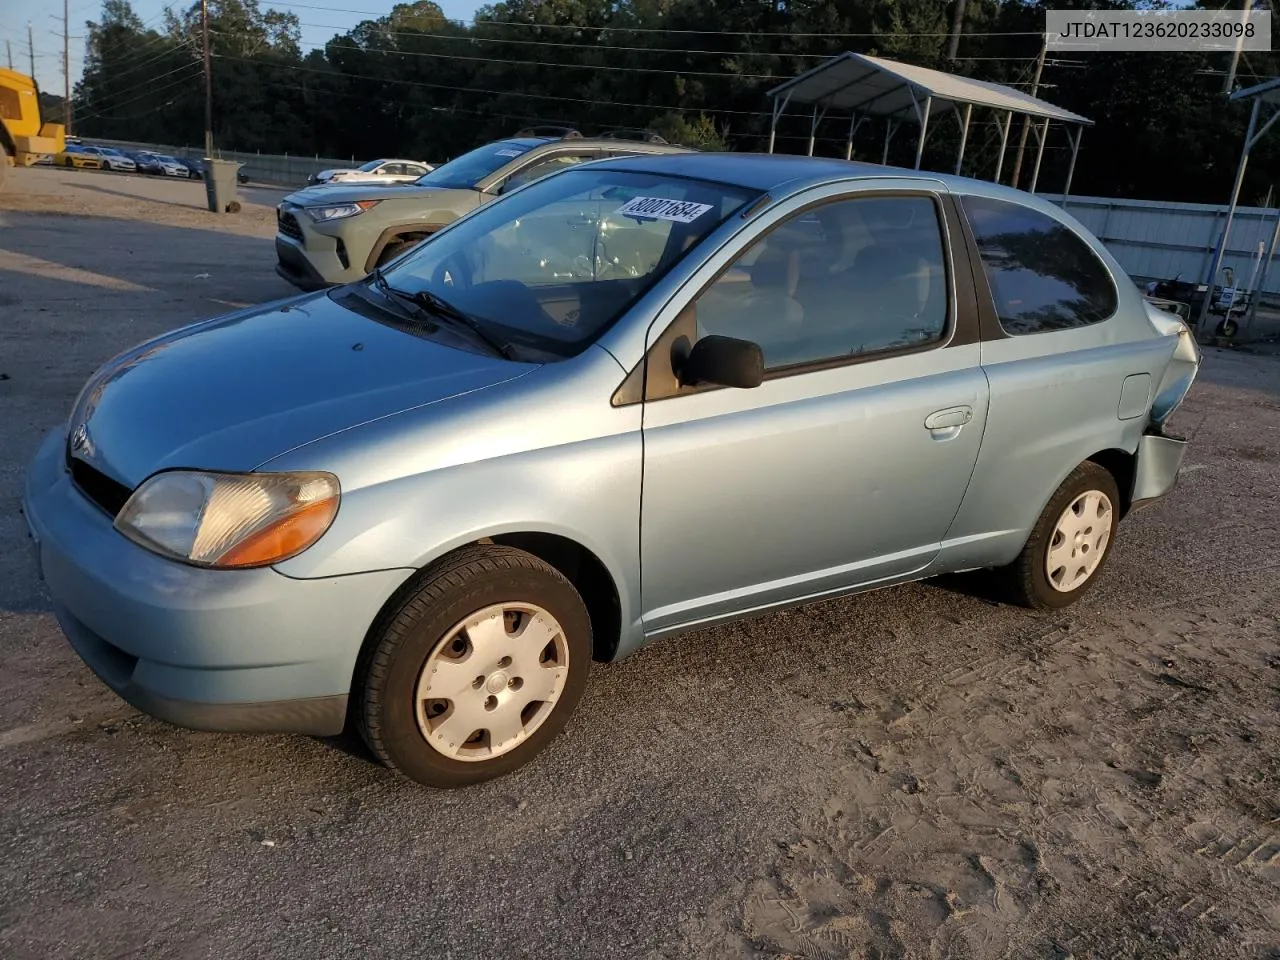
(846, 466)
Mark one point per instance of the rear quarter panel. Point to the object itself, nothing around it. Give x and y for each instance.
(1057, 399)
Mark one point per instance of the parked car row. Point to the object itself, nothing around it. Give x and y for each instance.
(79, 155)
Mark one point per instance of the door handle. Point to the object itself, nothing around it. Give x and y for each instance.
(948, 418)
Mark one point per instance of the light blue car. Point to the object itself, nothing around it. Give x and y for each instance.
(638, 397)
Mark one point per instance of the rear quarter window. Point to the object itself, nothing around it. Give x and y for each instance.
(1042, 275)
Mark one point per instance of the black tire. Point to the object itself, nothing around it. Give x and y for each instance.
(393, 249)
(1027, 576)
(448, 592)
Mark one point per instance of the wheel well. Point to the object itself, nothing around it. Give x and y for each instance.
(1120, 465)
(589, 577)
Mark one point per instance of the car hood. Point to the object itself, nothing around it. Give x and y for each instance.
(234, 392)
(340, 192)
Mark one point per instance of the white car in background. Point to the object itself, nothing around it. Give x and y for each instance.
(375, 171)
(112, 159)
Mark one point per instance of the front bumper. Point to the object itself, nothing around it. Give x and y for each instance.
(312, 258)
(293, 265)
(231, 650)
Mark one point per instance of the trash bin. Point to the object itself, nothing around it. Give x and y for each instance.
(220, 185)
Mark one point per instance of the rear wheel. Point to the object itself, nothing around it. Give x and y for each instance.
(477, 671)
(1070, 542)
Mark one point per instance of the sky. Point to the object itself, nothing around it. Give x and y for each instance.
(321, 19)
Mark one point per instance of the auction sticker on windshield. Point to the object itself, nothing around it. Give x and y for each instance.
(658, 208)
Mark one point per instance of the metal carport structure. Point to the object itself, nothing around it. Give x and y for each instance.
(1268, 93)
(866, 87)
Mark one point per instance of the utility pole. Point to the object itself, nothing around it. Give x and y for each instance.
(66, 65)
(957, 27)
(208, 82)
(1235, 57)
(31, 50)
(1026, 121)
(8, 48)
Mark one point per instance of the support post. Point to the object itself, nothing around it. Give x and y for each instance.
(1026, 121)
(1042, 135)
(66, 66)
(1262, 280)
(208, 82)
(848, 143)
(964, 135)
(957, 27)
(924, 126)
(1071, 167)
(1235, 57)
(777, 112)
(890, 127)
(1004, 143)
(1219, 253)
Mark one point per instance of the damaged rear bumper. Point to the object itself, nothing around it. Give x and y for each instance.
(1156, 467)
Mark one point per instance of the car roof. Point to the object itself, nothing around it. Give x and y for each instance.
(770, 172)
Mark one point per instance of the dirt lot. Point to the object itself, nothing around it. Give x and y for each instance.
(916, 772)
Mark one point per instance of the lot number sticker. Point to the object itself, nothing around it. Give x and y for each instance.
(656, 208)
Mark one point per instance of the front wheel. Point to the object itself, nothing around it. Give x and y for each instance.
(477, 671)
(1070, 542)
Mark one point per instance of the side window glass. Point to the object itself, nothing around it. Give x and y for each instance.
(1042, 275)
(852, 277)
(539, 169)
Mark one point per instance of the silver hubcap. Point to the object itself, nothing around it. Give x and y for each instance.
(492, 681)
(1079, 541)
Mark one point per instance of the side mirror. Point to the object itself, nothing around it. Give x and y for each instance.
(723, 361)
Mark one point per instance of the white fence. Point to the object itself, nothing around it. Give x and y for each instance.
(1154, 240)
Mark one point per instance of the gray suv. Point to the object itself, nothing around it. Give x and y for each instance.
(337, 234)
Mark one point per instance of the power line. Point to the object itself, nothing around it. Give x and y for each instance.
(102, 114)
(572, 66)
(467, 38)
(617, 28)
(497, 93)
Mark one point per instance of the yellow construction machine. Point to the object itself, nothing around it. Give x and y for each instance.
(24, 137)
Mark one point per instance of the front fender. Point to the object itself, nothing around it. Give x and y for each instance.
(419, 485)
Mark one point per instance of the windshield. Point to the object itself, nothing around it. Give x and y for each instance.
(370, 166)
(461, 173)
(552, 266)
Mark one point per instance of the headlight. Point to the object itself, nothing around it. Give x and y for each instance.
(340, 211)
(230, 519)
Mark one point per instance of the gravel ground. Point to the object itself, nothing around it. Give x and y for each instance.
(915, 772)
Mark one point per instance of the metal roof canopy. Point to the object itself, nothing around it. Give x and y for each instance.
(1267, 92)
(866, 87)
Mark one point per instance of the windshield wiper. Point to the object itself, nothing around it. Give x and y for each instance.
(428, 302)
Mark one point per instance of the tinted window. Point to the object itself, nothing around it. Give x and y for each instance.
(540, 169)
(849, 278)
(462, 172)
(1042, 275)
